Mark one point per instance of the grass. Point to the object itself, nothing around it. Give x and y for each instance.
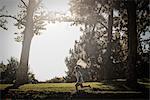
(3, 86)
(62, 87)
(57, 87)
(146, 85)
(48, 90)
(69, 87)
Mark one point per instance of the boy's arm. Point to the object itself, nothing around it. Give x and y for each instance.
(72, 72)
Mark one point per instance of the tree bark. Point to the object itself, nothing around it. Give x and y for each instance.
(21, 75)
(108, 64)
(132, 44)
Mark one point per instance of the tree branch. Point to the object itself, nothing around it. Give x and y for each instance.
(146, 40)
(103, 25)
(9, 16)
(99, 10)
(3, 27)
(93, 27)
(24, 3)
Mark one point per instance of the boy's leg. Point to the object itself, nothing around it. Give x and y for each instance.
(81, 85)
(76, 85)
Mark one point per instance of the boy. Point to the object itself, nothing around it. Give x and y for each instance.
(79, 78)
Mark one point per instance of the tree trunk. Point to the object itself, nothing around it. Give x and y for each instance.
(132, 44)
(108, 63)
(21, 75)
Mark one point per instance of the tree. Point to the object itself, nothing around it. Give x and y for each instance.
(134, 24)
(2, 20)
(98, 27)
(132, 43)
(31, 78)
(2, 70)
(108, 62)
(92, 15)
(8, 74)
(31, 24)
(21, 76)
(137, 11)
(31, 20)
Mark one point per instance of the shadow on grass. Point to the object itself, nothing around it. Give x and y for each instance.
(113, 85)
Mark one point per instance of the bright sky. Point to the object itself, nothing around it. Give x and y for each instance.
(48, 51)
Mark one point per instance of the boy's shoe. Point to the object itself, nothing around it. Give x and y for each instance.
(89, 86)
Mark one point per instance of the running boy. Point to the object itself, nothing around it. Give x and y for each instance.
(79, 78)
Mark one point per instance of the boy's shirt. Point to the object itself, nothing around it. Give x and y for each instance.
(79, 77)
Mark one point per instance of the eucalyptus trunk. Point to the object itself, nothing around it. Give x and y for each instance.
(22, 72)
(108, 64)
(132, 44)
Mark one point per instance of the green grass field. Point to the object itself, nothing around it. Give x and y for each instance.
(62, 87)
(114, 89)
(69, 87)
(58, 87)
(3, 86)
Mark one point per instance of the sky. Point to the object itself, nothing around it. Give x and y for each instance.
(48, 50)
